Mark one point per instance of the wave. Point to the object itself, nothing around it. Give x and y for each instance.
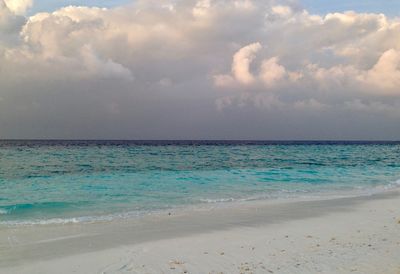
(56, 221)
(222, 200)
(278, 195)
(392, 185)
(76, 220)
(28, 207)
(322, 193)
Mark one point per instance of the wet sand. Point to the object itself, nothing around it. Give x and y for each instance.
(344, 235)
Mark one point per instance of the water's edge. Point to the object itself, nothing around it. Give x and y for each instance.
(55, 241)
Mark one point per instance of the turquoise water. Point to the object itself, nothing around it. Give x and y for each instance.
(63, 181)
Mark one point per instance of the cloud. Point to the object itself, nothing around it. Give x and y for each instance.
(272, 72)
(385, 74)
(18, 6)
(213, 56)
(105, 68)
(10, 21)
(241, 63)
(348, 63)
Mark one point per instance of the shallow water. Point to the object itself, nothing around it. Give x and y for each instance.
(57, 181)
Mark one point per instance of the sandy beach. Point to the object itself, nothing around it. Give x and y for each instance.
(199, 136)
(344, 235)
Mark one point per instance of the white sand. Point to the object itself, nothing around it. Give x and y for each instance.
(352, 235)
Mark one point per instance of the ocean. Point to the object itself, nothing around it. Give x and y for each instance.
(44, 182)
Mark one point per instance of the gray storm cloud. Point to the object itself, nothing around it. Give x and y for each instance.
(198, 69)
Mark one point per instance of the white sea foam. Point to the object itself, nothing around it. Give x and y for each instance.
(3, 211)
(222, 200)
(392, 185)
(75, 220)
(309, 194)
(53, 221)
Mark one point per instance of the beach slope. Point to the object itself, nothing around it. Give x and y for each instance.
(346, 235)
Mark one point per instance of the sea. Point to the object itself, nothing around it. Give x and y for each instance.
(58, 181)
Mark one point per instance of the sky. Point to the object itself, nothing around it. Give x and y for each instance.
(388, 7)
(51, 5)
(200, 69)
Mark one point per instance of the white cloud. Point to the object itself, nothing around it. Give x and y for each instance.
(10, 21)
(201, 8)
(241, 63)
(385, 74)
(244, 4)
(259, 53)
(104, 68)
(281, 10)
(348, 50)
(272, 72)
(331, 57)
(18, 6)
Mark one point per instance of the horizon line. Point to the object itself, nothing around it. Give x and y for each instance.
(202, 140)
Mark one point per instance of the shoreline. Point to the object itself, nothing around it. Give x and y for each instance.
(38, 249)
(207, 205)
